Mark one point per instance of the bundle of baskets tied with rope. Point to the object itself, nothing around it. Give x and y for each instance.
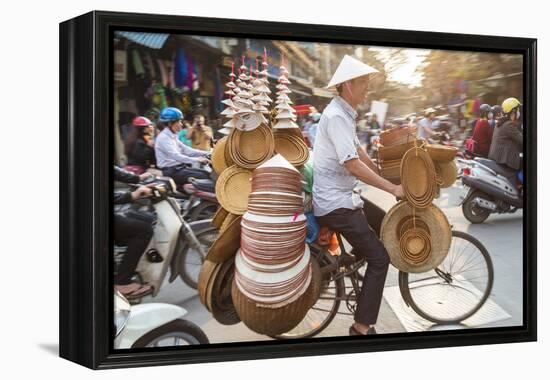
(415, 232)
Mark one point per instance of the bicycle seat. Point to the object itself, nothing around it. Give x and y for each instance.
(204, 184)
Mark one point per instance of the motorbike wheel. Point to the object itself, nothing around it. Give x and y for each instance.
(176, 333)
(472, 212)
(205, 210)
(191, 260)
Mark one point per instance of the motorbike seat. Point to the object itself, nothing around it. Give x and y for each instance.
(204, 185)
(503, 170)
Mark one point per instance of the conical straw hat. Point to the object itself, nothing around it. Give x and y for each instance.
(350, 68)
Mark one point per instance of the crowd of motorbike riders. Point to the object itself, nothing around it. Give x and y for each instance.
(179, 150)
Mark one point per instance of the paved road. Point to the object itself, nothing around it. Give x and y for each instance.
(501, 235)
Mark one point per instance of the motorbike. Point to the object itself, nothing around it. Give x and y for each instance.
(202, 202)
(490, 188)
(153, 325)
(174, 244)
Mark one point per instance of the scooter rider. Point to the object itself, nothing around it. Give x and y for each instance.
(507, 144)
(483, 133)
(173, 157)
(133, 231)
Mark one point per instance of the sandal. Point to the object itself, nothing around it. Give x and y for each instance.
(142, 290)
(353, 331)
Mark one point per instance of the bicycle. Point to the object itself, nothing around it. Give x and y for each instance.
(467, 268)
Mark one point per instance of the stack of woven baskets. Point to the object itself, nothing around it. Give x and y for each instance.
(394, 143)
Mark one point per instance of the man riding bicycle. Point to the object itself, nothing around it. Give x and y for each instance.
(338, 162)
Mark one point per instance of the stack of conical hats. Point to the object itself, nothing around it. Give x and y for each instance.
(261, 247)
(251, 142)
(288, 138)
(273, 269)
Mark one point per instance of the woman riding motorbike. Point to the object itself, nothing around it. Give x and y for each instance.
(139, 147)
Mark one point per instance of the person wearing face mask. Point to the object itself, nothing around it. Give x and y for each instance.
(483, 134)
(339, 161)
(175, 158)
(507, 141)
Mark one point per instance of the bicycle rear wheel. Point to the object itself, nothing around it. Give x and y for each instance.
(457, 288)
(325, 309)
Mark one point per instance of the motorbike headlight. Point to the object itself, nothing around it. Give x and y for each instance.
(122, 312)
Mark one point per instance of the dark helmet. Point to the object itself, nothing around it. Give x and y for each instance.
(484, 109)
(496, 109)
(170, 114)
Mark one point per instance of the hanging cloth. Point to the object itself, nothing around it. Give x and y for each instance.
(181, 68)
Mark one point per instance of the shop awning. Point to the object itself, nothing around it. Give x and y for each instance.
(151, 40)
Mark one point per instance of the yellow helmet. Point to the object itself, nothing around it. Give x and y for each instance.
(509, 104)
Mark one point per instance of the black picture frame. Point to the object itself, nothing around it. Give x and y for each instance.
(86, 151)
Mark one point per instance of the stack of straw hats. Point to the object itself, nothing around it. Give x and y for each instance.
(259, 268)
(416, 233)
(273, 272)
(418, 177)
(288, 138)
(394, 143)
(417, 240)
(214, 288)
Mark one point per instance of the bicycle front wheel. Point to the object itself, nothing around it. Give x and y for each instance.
(457, 288)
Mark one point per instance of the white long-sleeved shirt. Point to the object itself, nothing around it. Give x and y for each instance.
(169, 151)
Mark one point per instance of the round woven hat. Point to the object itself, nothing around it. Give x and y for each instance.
(219, 217)
(229, 218)
(232, 189)
(291, 147)
(227, 243)
(447, 172)
(205, 276)
(219, 162)
(432, 232)
(418, 177)
(441, 152)
(221, 302)
(252, 148)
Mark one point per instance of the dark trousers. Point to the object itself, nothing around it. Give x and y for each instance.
(353, 226)
(135, 233)
(181, 174)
